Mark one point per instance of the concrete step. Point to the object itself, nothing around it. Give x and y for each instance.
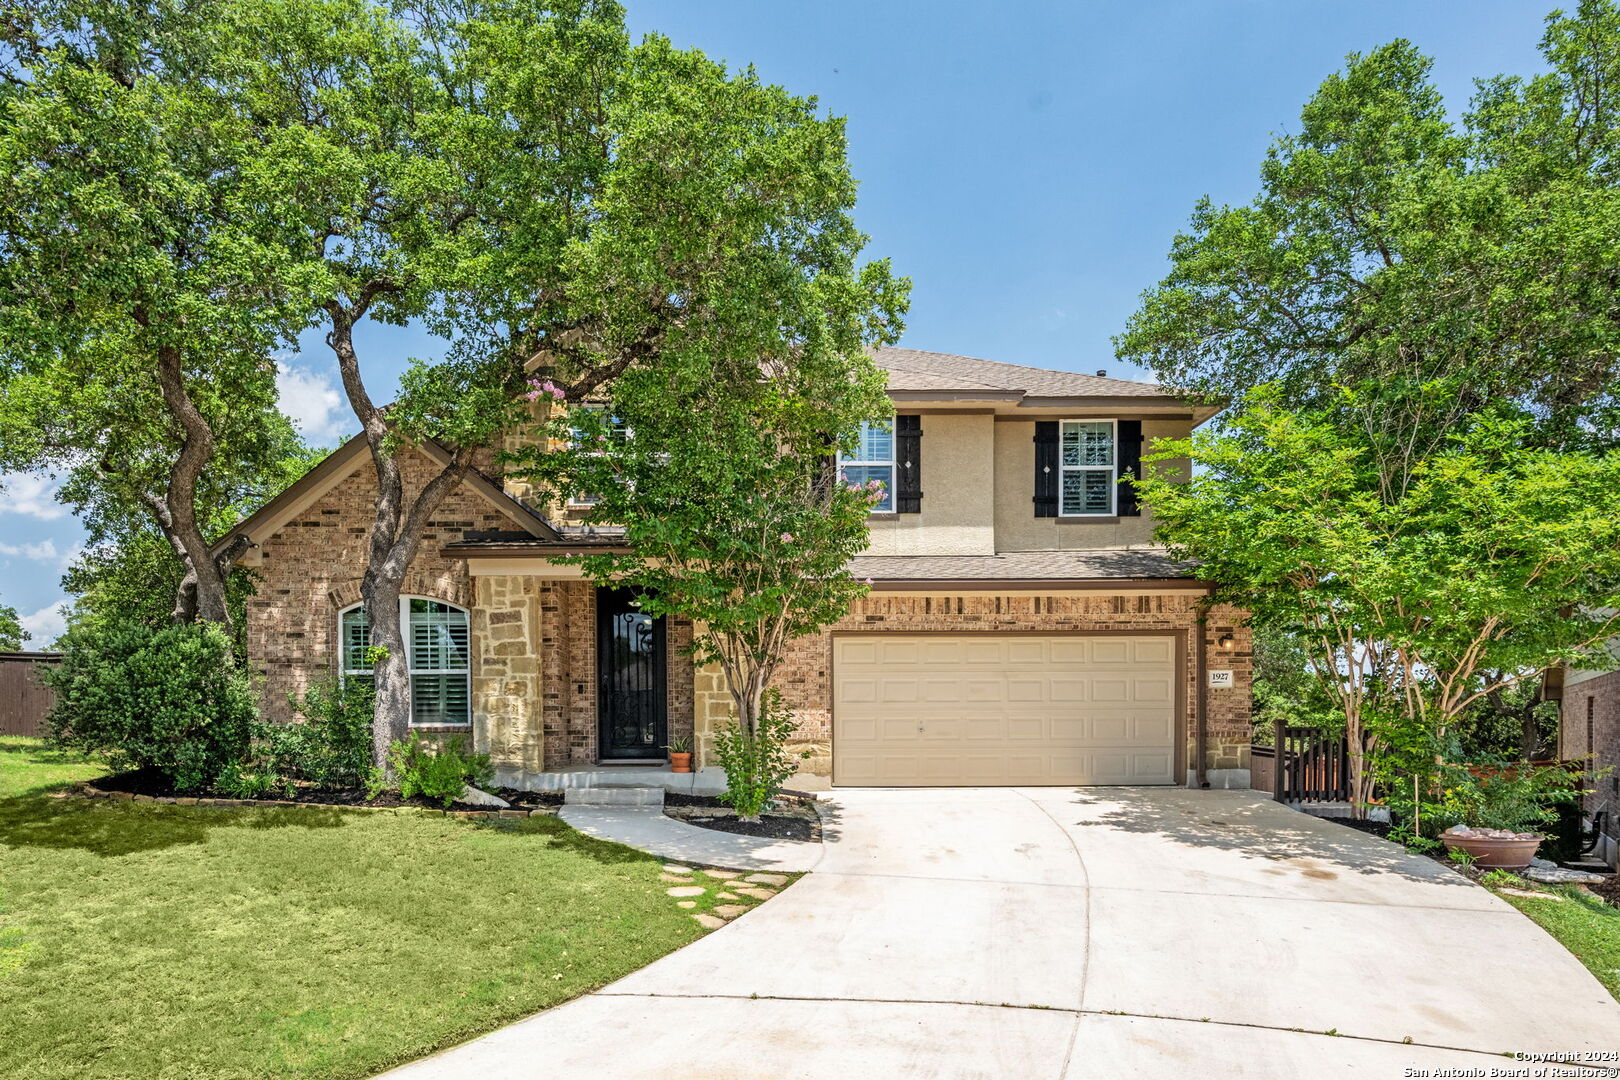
(613, 795)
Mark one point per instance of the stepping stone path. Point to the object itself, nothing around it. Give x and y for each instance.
(757, 894)
(686, 903)
(671, 868)
(721, 874)
(675, 879)
(724, 896)
(709, 922)
(777, 880)
(730, 911)
(686, 890)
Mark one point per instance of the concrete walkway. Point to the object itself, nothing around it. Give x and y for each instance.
(1062, 933)
(648, 828)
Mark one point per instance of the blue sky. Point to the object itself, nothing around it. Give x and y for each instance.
(1025, 163)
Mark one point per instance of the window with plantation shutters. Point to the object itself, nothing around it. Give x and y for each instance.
(437, 637)
(439, 669)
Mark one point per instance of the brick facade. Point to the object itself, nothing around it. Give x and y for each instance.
(310, 570)
(1589, 724)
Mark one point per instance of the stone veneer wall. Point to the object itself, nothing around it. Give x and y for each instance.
(311, 568)
(805, 675)
(535, 695)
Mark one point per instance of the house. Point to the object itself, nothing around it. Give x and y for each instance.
(1589, 727)
(1021, 628)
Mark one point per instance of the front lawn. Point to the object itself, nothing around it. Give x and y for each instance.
(26, 765)
(155, 941)
(1585, 925)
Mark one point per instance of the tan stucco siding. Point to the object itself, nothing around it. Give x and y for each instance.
(958, 482)
(1017, 527)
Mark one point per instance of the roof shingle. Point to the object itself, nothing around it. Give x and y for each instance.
(916, 369)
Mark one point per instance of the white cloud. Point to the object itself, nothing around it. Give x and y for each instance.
(44, 551)
(311, 401)
(45, 625)
(30, 494)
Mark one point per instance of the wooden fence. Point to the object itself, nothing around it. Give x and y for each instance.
(1315, 767)
(24, 700)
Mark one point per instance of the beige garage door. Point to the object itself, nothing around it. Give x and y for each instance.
(962, 709)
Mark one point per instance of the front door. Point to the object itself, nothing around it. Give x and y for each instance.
(630, 679)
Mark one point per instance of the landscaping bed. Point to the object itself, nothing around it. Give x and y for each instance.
(148, 784)
(793, 817)
(142, 939)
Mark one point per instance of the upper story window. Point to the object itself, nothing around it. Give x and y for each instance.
(436, 634)
(617, 431)
(873, 459)
(1086, 458)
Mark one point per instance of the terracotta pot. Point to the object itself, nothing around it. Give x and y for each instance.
(1493, 853)
(680, 762)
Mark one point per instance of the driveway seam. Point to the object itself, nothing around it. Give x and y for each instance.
(1076, 1013)
(1085, 958)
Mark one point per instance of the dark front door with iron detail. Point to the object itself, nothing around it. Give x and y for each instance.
(630, 678)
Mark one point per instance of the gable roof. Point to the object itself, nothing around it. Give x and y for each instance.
(340, 464)
(917, 373)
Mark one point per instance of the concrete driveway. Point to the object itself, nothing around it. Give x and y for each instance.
(1067, 933)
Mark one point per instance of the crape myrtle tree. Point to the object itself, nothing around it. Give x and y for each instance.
(143, 288)
(567, 207)
(718, 465)
(1498, 561)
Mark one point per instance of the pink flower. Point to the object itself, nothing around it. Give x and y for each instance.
(787, 538)
(545, 389)
(868, 581)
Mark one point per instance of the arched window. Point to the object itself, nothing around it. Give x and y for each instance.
(437, 636)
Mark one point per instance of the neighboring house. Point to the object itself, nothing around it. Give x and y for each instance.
(1021, 628)
(1589, 727)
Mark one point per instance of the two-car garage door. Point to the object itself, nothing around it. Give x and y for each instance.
(985, 708)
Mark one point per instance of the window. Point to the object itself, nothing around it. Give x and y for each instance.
(437, 636)
(1086, 461)
(617, 431)
(873, 460)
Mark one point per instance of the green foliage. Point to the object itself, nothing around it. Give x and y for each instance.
(757, 762)
(1449, 266)
(680, 744)
(12, 634)
(1503, 795)
(1495, 562)
(437, 772)
(239, 781)
(1462, 858)
(331, 746)
(171, 700)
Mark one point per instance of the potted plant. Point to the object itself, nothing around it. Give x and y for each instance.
(680, 753)
(1497, 809)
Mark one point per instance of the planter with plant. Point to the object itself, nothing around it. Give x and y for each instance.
(1495, 812)
(680, 754)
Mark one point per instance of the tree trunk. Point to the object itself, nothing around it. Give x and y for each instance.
(391, 676)
(201, 595)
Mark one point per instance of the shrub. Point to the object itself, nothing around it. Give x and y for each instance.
(758, 764)
(1517, 796)
(331, 746)
(437, 772)
(172, 699)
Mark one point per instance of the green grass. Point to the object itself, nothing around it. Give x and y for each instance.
(151, 941)
(26, 765)
(1585, 925)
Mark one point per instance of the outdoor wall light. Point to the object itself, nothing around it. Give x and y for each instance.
(1225, 641)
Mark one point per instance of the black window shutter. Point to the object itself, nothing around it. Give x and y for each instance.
(1130, 466)
(1046, 468)
(908, 464)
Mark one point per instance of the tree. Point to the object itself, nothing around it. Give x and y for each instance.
(1446, 267)
(12, 634)
(564, 205)
(1498, 562)
(142, 284)
(718, 469)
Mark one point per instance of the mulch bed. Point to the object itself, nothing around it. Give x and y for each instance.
(145, 782)
(798, 821)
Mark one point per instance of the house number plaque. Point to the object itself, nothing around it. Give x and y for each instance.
(1220, 679)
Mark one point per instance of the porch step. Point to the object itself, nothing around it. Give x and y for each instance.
(613, 795)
